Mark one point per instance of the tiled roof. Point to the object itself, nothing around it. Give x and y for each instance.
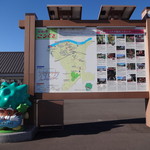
(11, 62)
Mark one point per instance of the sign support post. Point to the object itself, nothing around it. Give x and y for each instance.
(147, 101)
(29, 61)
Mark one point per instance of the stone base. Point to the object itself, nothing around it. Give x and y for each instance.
(27, 134)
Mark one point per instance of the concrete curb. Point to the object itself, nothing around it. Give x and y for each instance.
(26, 135)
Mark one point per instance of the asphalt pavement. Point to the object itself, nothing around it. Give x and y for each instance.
(94, 125)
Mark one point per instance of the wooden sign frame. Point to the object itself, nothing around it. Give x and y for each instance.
(31, 22)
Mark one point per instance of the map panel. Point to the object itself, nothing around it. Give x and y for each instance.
(70, 58)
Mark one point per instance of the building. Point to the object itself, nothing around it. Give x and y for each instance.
(12, 67)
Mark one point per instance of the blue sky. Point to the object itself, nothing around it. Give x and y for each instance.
(11, 11)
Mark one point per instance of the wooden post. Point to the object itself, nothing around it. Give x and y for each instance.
(147, 101)
(29, 61)
(29, 53)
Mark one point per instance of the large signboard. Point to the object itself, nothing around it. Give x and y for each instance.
(90, 60)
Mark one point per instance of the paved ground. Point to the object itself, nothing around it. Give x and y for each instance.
(95, 125)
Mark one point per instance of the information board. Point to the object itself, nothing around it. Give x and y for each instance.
(90, 60)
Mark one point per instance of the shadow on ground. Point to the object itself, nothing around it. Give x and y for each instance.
(86, 128)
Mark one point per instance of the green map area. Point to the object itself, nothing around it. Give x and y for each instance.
(72, 57)
(74, 76)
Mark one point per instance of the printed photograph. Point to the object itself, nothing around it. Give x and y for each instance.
(121, 64)
(101, 56)
(139, 38)
(140, 53)
(131, 78)
(101, 81)
(131, 66)
(101, 68)
(130, 53)
(120, 47)
(120, 36)
(129, 38)
(110, 39)
(141, 80)
(140, 65)
(120, 56)
(100, 39)
(121, 78)
(111, 73)
(111, 56)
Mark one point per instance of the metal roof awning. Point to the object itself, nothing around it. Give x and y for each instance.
(64, 12)
(116, 12)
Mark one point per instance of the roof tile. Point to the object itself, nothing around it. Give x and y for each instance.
(11, 62)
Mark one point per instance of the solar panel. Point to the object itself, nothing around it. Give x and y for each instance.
(116, 12)
(64, 12)
(146, 13)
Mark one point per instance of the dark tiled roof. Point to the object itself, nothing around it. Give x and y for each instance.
(11, 62)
